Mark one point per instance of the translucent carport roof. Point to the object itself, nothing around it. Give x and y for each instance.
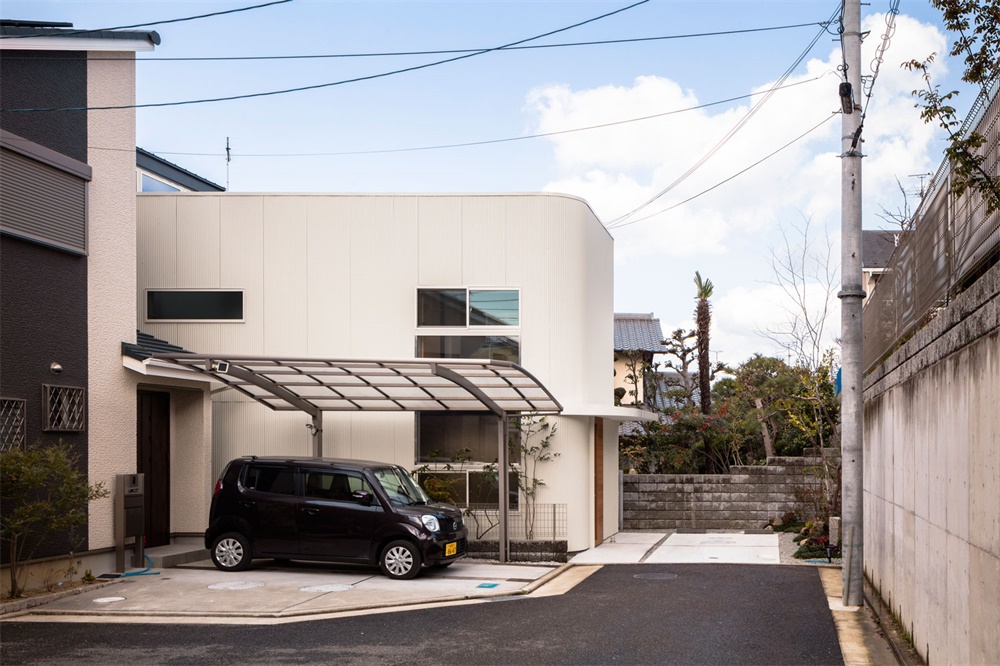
(316, 385)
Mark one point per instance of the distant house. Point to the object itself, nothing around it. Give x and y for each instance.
(155, 174)
(877, 247)
(638, 338)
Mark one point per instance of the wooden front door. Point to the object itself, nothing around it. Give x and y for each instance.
(153, 461)
(598, 481)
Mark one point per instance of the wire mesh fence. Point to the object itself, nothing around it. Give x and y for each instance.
(540, 522)
(948, 242)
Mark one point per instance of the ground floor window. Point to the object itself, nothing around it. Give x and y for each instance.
(458, 452)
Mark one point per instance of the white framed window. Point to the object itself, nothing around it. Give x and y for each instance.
(195, 305)
(468, 307)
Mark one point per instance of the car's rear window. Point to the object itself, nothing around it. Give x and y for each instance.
(270, 479)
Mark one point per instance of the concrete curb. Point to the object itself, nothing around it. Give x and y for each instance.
(526, 590)
(21, 605)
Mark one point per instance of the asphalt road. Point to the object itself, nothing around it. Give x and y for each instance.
(623, 614)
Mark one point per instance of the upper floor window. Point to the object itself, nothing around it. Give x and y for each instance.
(463, 308)
(148, 183)
(193, 305)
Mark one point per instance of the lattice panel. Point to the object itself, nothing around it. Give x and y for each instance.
(12, 413)
(65, 408)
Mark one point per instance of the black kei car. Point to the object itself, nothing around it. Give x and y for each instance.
(331, 510)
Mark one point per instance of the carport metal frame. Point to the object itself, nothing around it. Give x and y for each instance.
(315, 386)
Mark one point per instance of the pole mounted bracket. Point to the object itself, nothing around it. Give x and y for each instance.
(852, 293)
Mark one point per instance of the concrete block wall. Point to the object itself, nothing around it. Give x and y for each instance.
(932, 480)
(746, 498)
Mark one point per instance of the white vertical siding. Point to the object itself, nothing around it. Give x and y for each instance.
(329, 251)
(336, 276)
(440, 241)
(241, 259)
(285, 271)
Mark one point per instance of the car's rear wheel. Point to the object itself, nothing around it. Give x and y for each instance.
(231, 552)
(400, 560)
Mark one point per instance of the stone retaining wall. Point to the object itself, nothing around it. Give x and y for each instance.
(520, 551)
(746, 498)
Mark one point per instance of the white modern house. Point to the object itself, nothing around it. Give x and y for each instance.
(522, 278)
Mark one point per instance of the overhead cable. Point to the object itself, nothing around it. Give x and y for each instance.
(487, 142)
(729, 135)
(384, 54)
(335, 83)
(738, 173)
(69, 33)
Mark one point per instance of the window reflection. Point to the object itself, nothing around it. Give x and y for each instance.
(493, 307)
(492, 347)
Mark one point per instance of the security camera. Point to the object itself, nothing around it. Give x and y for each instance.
(55, 369)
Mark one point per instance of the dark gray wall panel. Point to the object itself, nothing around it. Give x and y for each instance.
(46, 79)
(43, 319)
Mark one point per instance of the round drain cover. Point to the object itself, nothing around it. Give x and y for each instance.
(237, 585)
(656, 576)
(326, 588)
(108, 600)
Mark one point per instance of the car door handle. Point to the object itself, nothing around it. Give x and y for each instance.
(248, 504)
(311, 512)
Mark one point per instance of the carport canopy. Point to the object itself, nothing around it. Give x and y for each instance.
(315, 385)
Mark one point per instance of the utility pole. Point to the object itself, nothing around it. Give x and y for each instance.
(851, 296)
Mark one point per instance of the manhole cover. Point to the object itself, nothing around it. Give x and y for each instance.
(238, 585)
(656, 576)
(326, 588)
(108, 600)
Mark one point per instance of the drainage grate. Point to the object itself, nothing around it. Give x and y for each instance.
(655, 576)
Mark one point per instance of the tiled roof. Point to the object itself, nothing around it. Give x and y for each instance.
(638, 332)
(146, 345)
(877, 247)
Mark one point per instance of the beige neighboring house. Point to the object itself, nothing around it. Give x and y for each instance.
(68, 242)
(638, 338)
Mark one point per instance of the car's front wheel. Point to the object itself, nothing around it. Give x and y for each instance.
(231, 552)
(400, 560)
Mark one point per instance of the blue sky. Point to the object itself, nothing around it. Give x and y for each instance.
(726, 234)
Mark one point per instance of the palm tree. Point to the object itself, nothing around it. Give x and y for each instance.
(703, 322)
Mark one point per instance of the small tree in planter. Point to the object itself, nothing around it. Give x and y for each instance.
(42, 493)
(535, 448)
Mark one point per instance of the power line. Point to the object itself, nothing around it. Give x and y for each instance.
(486, 142)
(335, 83)
(729, 135)
(601, 42)
(738, 173)
(143, 25)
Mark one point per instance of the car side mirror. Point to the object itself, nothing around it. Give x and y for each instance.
(363, 497)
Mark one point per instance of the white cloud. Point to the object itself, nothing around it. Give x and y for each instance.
(728, 232)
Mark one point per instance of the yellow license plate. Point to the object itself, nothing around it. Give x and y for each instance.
(450, 549)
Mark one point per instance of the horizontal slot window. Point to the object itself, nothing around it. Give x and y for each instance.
(165, 305)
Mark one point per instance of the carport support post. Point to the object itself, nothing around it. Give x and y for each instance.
(503, 455)
(317, 434)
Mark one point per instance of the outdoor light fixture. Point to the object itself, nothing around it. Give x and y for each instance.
(220, 366)
(846, 98)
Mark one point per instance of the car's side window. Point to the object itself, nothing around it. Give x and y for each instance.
(270, 479)
(333, 485)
